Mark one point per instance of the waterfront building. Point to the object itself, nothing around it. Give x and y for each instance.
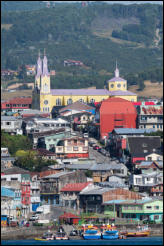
(148, 208)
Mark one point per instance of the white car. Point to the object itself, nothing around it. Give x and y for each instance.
(34, 217)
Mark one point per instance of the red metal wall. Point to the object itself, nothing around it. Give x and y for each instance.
(80, 155)
(116, 113)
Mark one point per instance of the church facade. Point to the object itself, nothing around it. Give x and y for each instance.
(44, 98)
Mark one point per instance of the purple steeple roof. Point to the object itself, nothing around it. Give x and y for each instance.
(45, 66)
(39, 67)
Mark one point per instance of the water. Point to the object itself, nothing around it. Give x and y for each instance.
(128, 241)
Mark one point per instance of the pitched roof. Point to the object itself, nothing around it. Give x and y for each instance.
(76, 106)
(15, 170)
(69, 215)
(142, 146)
(116, 79)
(133, 130)
(146, 164)
(95, 191)
(20, 100)
(80, 92)
(48, 133)
(44, 152)
(117, 105)
(75, 186)
(58, 175)
(122, 93)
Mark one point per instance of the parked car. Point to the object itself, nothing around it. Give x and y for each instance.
(14, 223)
(85, 135)
(96, 147)
(103, 151)
(74, 233)
(34, 217)
(27, 224)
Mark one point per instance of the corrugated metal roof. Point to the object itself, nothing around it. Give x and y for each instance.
(105, 167)
(122, 93)
(133, 130)
(75, 186)
(95, 191)
(117, 106)
(9, 118)
(114, 201)
(116, 79)
(57, 175)
(80, 92)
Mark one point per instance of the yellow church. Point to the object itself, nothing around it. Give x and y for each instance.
(44, 98)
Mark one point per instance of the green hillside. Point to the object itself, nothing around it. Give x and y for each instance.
(97, 35)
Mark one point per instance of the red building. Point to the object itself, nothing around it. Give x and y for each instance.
(25, 189)
(69, 218)
(116, 113)
(17, 103)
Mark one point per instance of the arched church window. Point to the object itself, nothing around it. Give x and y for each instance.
(45, 88)
(119, 85)
(112, 85)
(58, 102)
(69, 101)
(92, 100)
(81, 100)
(45, 102)
(124, 85)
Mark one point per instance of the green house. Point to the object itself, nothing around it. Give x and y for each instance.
(151, 209)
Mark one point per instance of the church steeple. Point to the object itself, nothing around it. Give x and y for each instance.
(45, 66)
(116, 71)
(39, 66)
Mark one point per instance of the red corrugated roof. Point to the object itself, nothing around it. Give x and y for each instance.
(117, 106)
(75, 186)
(69, 215)
(20, 100)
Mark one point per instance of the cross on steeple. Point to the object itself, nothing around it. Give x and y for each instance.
(116, 71)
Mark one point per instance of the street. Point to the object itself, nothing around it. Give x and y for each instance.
(94, 154)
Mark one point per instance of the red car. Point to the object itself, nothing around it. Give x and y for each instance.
(96, 147)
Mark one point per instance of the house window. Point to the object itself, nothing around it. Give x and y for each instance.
(156, 207)
(75, 148)
(85, 148)
(149, 158)
(69, 148)
(14, 178)
(8, 123)
(156, 217)
(81, 100)
(148, 207)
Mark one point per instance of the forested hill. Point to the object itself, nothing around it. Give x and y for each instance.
(97, 35)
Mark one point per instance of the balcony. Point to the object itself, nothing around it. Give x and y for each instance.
(47, 190)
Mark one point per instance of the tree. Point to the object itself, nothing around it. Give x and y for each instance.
(22, 73)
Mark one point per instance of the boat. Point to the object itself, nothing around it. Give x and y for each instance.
(46, 237)
(61, 236)
(91, 232)
(109, 232)
(142, 231)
